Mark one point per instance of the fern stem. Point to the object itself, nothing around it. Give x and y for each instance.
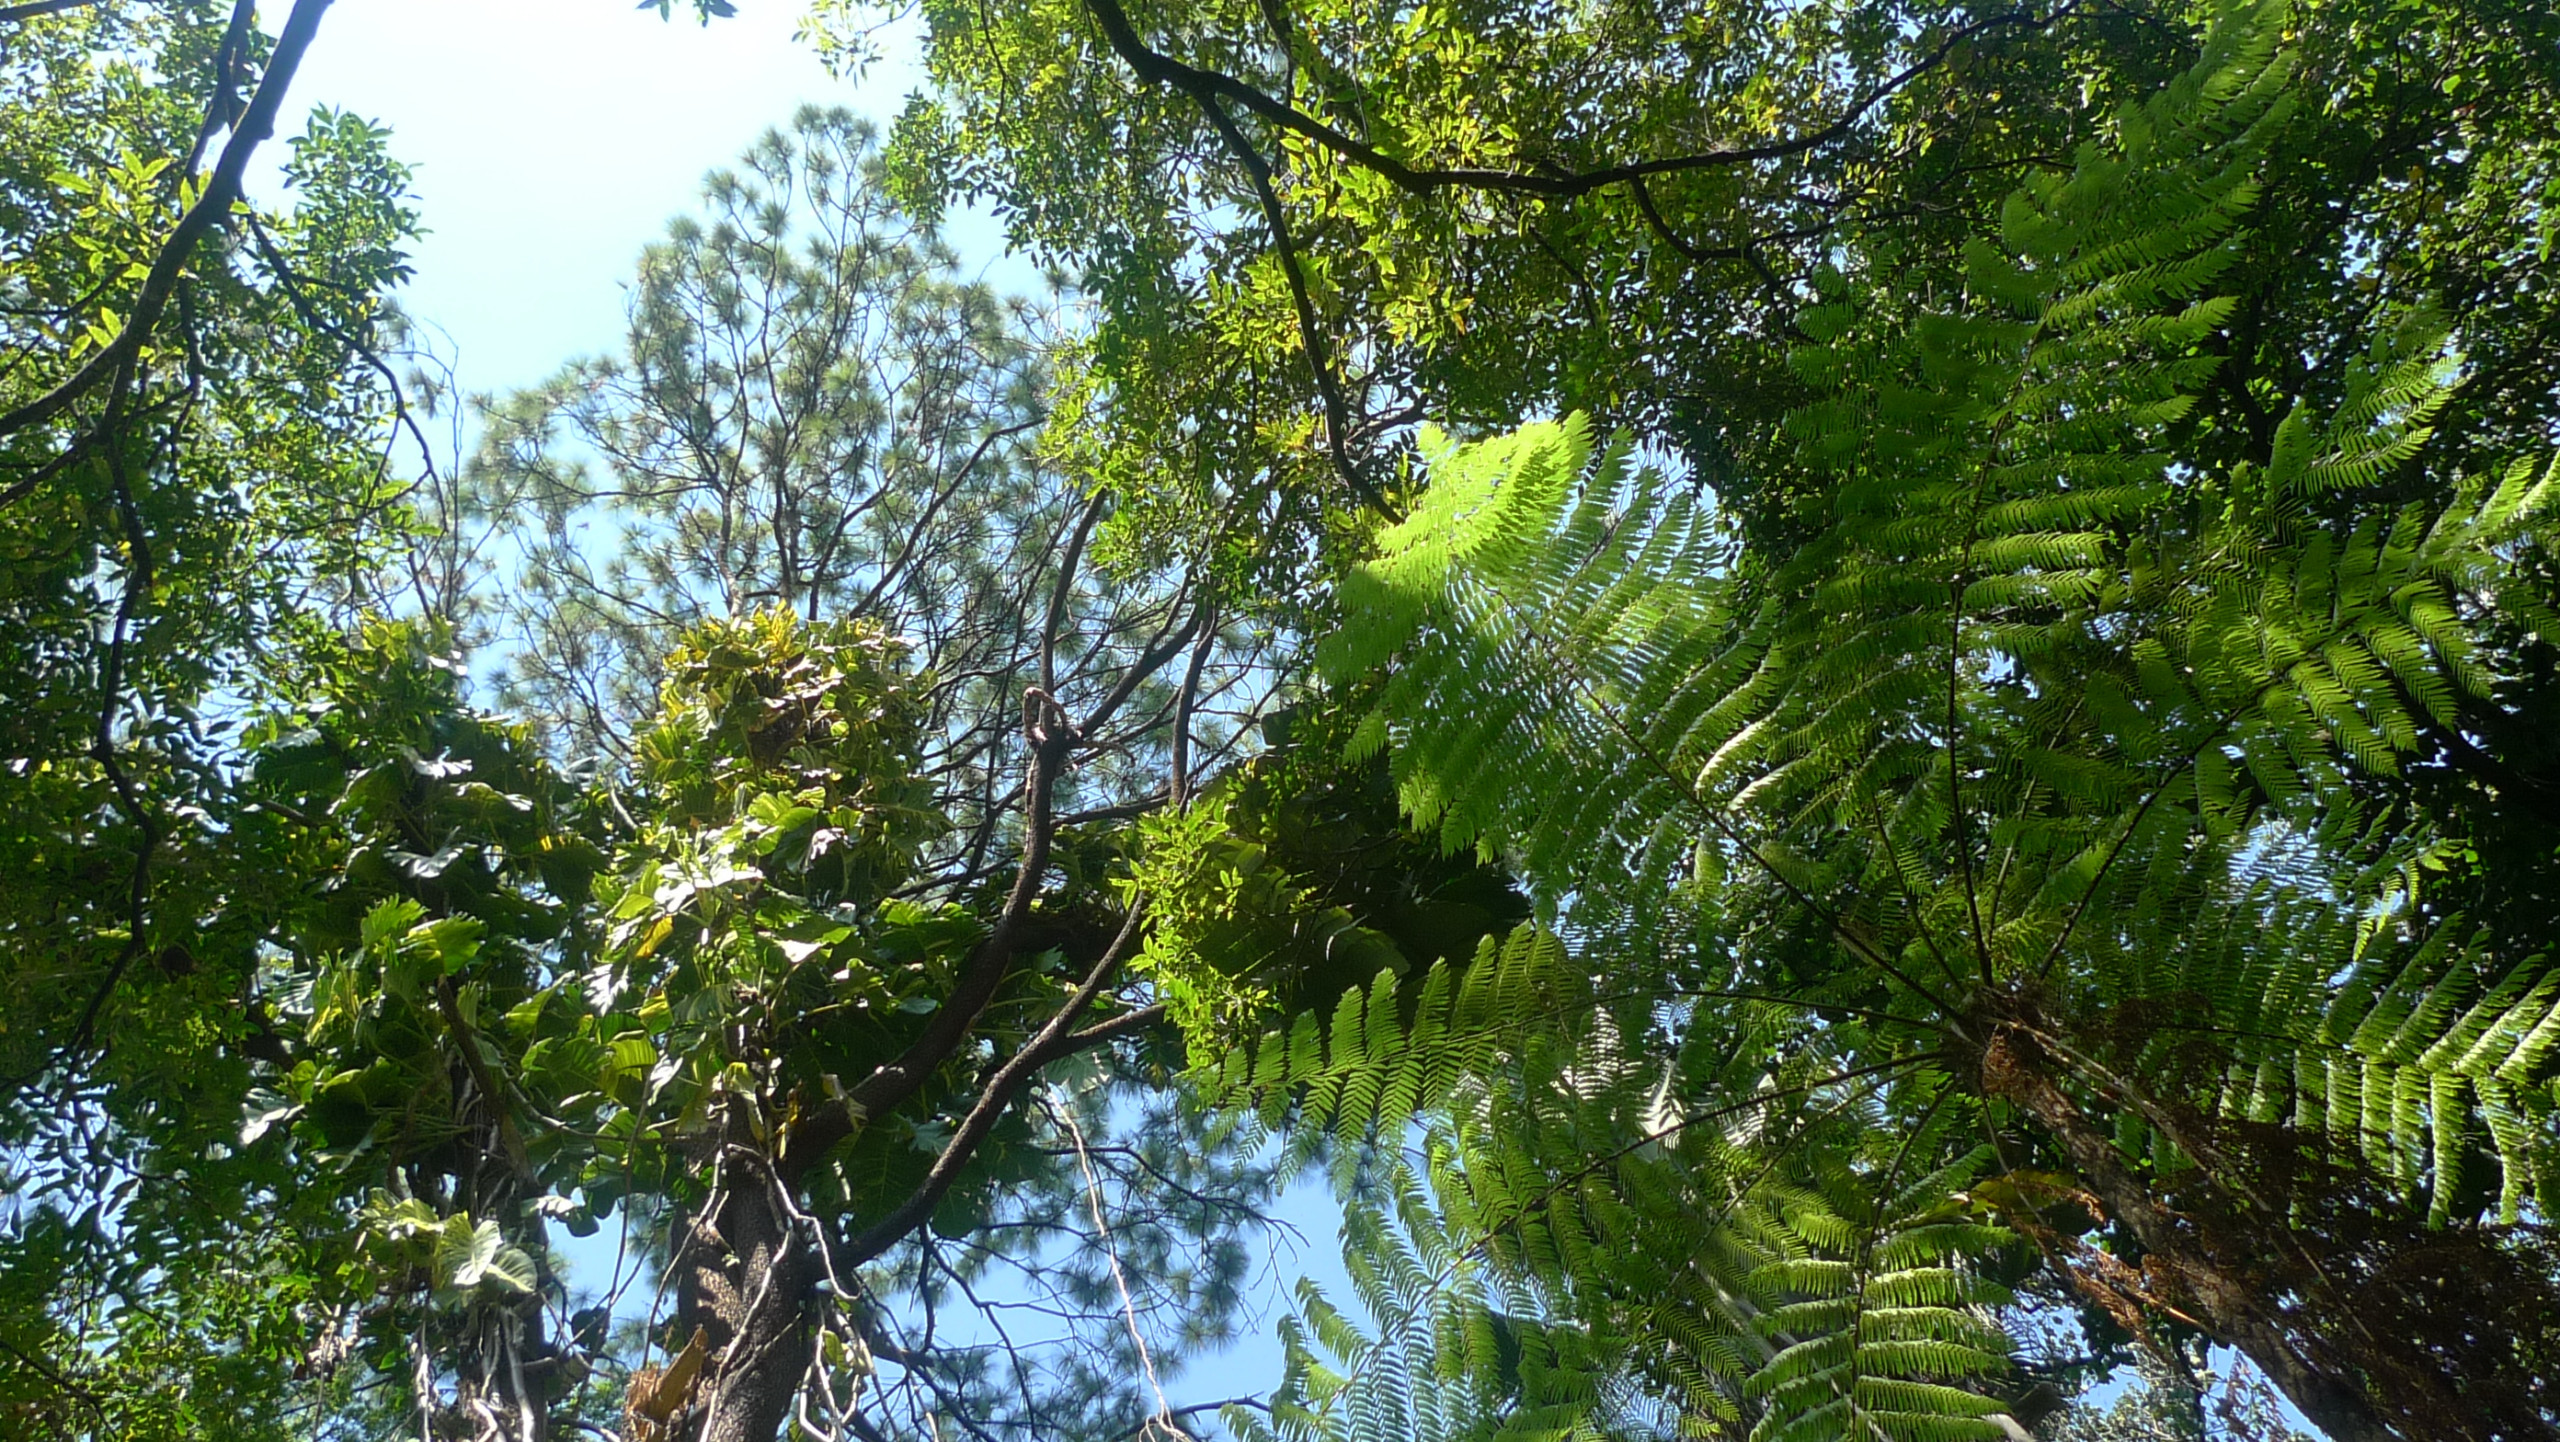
(1610, 1158)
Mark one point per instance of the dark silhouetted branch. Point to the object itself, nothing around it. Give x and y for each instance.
(257, 123)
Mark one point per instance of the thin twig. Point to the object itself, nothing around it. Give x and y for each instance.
(1111, 1254)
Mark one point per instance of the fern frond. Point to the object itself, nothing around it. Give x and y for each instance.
(2031, 719)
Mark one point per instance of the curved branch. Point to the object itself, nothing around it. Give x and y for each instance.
(291, 282)
(1337, 409)
(140, 569)
(62, 1380)
(1160, 68)
(894, 1082)
(1000, 1094)
(1212, 90)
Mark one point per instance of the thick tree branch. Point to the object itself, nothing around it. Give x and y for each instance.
(1000, 1094)
(1748, 252)
(257, 123)
(61, 1380)
(1064, 590)
(1337, 409)
(1211, 91)
(1126, 1022)
(1054, 1040)
(1149, 661)
(1184, 702)
(63, 460)
(222, 109)
(1051, 738)
(139, 572)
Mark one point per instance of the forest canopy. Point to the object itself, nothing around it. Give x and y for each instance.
(1840, 710)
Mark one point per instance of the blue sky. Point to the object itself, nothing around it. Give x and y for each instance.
(553, 138)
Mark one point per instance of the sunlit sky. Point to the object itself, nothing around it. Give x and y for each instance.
(551, 139)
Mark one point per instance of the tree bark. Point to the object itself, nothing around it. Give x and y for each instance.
(2190, 1270)
(745, 1279)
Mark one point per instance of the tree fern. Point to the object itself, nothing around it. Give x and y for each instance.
(2013, 795)
(1538, 1261)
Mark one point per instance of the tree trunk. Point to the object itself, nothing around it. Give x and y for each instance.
(2186, 1268)
(497, 1383)
(745, 1284)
